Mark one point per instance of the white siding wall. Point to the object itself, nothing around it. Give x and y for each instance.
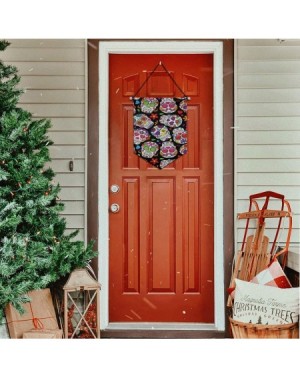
(267, 134)
(53, 73)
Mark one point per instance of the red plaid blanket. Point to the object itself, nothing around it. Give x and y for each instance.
(273, 275)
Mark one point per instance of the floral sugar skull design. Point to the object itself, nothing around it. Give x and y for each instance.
(168, 105)
(160, 131)
(149, 149)
(168, 150)
(148, 104)
(172, 120)
(141, 120)
(140, 136)
(180, 135)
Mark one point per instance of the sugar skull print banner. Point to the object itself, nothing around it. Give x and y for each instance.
(160, 129)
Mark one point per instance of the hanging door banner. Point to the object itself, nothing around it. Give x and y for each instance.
(160, 129)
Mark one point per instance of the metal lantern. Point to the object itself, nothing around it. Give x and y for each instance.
(81, 306)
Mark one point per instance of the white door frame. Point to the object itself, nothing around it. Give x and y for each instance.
(160, 47)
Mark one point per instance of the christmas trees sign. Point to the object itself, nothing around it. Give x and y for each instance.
(34, 247)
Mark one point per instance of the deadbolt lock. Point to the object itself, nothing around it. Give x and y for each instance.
(115, 188)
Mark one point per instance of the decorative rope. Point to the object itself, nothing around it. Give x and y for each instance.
(152, 72)
(37, 322)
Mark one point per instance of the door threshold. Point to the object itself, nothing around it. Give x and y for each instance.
(161, 327)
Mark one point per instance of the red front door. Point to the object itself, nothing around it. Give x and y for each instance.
(161, 239)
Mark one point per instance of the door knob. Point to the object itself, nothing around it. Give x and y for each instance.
(114, 208)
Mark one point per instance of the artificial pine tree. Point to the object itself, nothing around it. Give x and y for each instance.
(34, 247)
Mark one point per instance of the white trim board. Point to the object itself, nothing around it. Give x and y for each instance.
(161, 47)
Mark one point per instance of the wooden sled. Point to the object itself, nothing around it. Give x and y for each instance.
(257, 251)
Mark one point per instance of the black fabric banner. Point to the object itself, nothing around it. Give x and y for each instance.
(160, 129)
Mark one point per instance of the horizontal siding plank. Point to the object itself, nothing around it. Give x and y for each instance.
(67, 124)
(65, 137)
(279, 52)
(281, 242)
(271, 225)
(295, 249)
(70, 179)
(52, 82)
(294, 238)
(269, 123)
(269, 42)
(270, 109)
(62, 166)
(49, 68)
(74, 221)
(67, 152)
(269, 81)
(294, 258)
(73, 207)
(265, 137)
(62, 43)
(79, 237)
(268, 178)
(40, 96)
(243, 206)
(269, 95)
(71, 193)
(268, 165)
(243, 192)
(55, 110)
(268, 152)
(282, 67)
(48, 54)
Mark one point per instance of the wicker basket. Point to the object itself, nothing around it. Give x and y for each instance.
(256, 331)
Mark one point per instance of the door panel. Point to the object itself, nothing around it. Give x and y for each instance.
(161, 238)
(161, 241)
